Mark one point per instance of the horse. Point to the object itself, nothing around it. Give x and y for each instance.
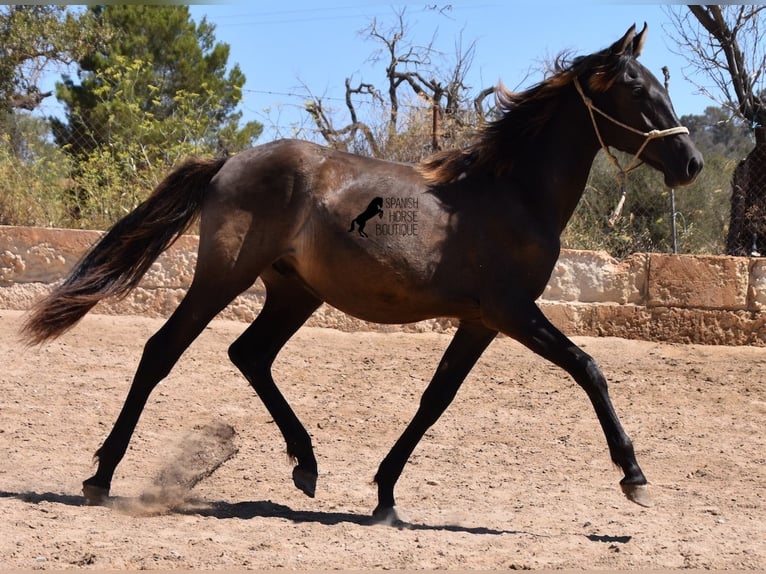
(374, 208)
(475, 237)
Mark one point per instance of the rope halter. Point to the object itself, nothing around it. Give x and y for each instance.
(622, 173)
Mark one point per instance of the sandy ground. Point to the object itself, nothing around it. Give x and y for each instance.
(515, 475)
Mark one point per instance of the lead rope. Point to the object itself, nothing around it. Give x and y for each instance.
(636, 162)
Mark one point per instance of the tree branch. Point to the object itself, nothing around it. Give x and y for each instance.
(729, 54)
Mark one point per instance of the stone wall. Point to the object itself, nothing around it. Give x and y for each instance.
(677, 298)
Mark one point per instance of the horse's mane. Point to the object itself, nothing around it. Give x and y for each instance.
(522, 116)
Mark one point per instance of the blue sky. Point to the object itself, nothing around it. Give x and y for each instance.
(289, 47)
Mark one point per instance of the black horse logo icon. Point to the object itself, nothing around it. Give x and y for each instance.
(375, 208)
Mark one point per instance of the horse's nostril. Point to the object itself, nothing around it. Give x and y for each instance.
(695, 165)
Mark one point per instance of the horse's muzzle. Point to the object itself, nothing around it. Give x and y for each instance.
(687, 172)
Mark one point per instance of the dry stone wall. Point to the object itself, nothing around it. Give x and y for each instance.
(676, 298)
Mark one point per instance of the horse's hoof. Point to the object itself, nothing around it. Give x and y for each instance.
(94, 495)
(387, 515)
(638, 493)
(305, 481)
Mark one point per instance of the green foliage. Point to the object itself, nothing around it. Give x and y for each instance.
(158, 92)
(701, 211)
(31, 37)
(137, 149)
(33, 175)
(718, 133)
(164, 54)
(705, 207)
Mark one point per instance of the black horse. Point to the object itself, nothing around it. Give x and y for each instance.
(489, 220)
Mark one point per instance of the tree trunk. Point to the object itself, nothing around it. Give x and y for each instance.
(747, 221)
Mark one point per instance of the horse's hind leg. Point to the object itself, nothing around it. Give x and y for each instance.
(160, 353)
(288, 305)
(470, 341)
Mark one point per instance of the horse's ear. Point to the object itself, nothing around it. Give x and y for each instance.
(639, 40)
(625, 43)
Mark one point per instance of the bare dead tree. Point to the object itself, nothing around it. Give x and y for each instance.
(343, 138)
(407, 65)
(402, 58)
(444, 91)
(479, 107)
(33, 38)
(724, 45)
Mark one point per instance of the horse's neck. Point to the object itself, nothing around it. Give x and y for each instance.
(563, 153)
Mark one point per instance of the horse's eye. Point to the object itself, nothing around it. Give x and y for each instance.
(639, 92)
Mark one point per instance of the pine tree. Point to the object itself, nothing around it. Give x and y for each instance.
(154, 91)
(156, 66)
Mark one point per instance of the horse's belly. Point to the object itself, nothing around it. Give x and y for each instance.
(384, 290)
(382, 298)
(378, 308)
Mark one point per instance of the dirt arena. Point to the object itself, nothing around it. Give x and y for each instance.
(515, 475)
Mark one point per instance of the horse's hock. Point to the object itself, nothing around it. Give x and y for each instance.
(651, 296)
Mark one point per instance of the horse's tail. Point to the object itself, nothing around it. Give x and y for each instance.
(116, 264)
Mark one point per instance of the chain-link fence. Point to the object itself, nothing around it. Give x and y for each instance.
(652, 217)
(45, 183)
(747, 223)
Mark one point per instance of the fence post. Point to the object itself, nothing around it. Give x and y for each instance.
(673, 219)
(666, 74)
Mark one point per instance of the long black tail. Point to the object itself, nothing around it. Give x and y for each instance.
(118, 261)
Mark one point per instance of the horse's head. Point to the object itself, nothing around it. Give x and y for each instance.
(631, 111)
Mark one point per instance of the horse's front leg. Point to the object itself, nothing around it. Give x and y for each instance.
(523, 321)
(470, 341)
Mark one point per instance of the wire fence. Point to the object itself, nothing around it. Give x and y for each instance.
(43, 183)
(747, 226)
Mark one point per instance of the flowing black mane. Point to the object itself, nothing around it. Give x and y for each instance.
(522, 116)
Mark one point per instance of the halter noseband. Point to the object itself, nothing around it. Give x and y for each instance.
(636, 162)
